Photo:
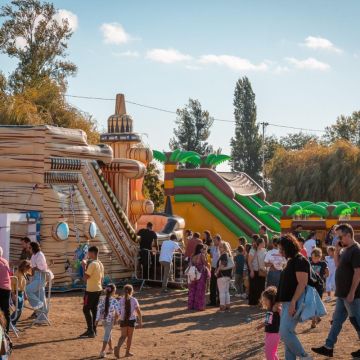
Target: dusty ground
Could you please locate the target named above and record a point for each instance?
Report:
(170, 332)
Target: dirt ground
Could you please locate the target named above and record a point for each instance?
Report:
(170, 332)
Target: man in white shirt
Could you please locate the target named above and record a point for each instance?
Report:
(168, 248)
(275, 262)
(310, 244)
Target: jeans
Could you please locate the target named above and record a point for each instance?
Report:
(108, 326)
(5, 305)
(273, 278)
(91, 301)
(239, 283)
(223, 286)
(343, 309)
(293, 347)
(166, 266)
(35, 291)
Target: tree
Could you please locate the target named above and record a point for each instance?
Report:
(154, 187)
(345, 128)
(296, 141)
(193, 129)
(246, 145)
(33, 35)
(317, 173)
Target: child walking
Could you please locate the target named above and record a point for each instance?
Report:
(19, 284)
(330, 280)
(271, 323)
(108, 311)
(129, 308)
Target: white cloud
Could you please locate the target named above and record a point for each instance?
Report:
(114, 33)
(317, 42)
(309, 63)
(72, 19)
(233, 62)
(193, 67)
(128, 53)
(167, 56)
(281, 69)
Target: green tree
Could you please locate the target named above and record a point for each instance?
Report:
(154, 187)
(345, 128)
(246, 145)
(193, 129)
(32, 34)
(296, 141)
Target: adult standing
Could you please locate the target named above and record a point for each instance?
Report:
(257, 271)
(168, 248)
(148, 240)
(215, 254)
(5, 288)
(293, 281)
(223, 273)
(35, 290)
(275, 262)
(191, 245)
(310, 243)
(347, 280)
(93, 275)
(197, 288)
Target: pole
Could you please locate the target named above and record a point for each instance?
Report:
(264, 125)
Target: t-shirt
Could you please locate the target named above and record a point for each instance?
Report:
(21, 282)
(223, 259)
(319, 268)
(349, 260)
(331, 264)
(114, 309)
(25, 254)
(215, 254)
(168, 248)
(288, 281)
(275, 258)
(239, 260)
(191, 246)
(4, 275)
(309, 246)
(134, 304)
(272, 322)
(147, 237)
(38, 260)
(95, 271)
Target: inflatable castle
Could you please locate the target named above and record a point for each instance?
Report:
(68, 195)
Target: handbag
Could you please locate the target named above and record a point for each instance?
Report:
(262, 273)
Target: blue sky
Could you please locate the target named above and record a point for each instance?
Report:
(302, 57)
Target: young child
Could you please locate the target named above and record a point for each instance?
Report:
(319, 267)
(239, 271)
(271, 323)
(108, 311)
(129, 308)
(21, 275)
(246, 271)
(330, 280)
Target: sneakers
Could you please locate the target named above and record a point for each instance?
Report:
(238, 295)
(102, 355)
(244, 296)
(307, 357)
(322, 350)
(356, 354)
(87, 334)
(328, 299)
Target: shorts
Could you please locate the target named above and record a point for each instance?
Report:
(127, 323)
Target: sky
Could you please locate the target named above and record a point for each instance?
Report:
(302, 58)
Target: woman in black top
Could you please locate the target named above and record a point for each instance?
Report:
(223, 273)
(293, 281)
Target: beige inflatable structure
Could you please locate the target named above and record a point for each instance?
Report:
(68, 195)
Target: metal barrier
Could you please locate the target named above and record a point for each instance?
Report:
(13, 326)
(148, 268)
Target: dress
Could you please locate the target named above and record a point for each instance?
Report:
(197, 288)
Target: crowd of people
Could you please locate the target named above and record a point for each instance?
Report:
(286, 276)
